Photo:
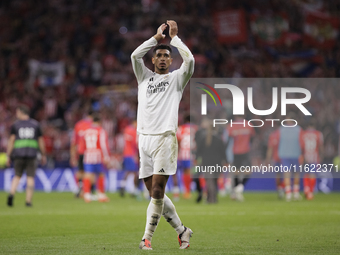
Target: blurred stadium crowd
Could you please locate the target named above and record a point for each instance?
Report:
(62, 57)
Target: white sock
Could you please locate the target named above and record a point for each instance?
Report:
(170, 215)
(153, 215)
(122, 184)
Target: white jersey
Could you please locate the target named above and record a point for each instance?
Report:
(159, 95)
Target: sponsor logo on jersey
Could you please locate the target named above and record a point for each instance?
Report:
(160, 87)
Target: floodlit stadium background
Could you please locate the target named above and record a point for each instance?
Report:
(63, 57)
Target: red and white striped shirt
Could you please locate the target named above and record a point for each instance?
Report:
(185, 136)
(78, 134)
(95, 142)
(312, 141)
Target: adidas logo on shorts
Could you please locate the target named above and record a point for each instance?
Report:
(161, 171)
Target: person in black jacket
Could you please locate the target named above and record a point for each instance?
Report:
(23, 146)
(210, 152)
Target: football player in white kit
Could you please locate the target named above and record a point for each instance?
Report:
(159, 95)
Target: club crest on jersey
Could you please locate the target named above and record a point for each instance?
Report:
(150, 81)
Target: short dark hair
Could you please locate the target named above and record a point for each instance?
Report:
(162, 47)
(311, 123)
(90, 112)
(96, 117)
(187, 118)
(24, 109)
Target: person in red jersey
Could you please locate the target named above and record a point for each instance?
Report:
(130, 156)
(185, 136)
(312, 148)
(273, 157)
(96, 152)
(77, 149)
(241, 135)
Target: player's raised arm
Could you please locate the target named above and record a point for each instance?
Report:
(187, 68)
(137, 56)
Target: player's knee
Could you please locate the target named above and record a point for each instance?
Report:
(157, 192)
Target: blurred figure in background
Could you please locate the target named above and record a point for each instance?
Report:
(96, 153)
(185, 136)
(210, 152)
(49, 137)
(77, 149)
(272, 157)
(312, 144)
(24, 143)
(130, 157)
(198, 177)
(290, 145)
(241, 135)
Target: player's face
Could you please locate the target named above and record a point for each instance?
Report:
(162, 60)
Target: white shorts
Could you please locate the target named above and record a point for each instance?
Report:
(158, 154)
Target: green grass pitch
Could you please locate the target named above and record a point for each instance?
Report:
(60, 224)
